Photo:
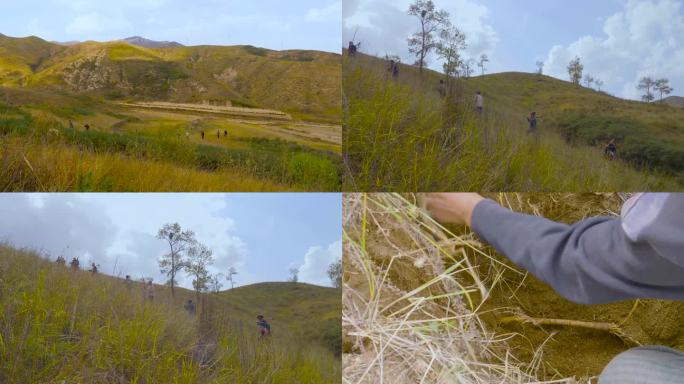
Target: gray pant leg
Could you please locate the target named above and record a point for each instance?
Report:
(645, 365)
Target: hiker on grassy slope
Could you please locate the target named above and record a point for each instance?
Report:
(393, 69)
(74, 263)
(190, 307)
(479, 103)
(353, 48)
(93, 268)
(149, 290)
(598, 260)
(264, 326)
(532, 120)
(61, 260)
(610, 151)
(441, 89)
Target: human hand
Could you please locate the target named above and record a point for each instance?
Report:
(452, 208)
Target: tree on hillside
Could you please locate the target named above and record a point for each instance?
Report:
(431, 20)
(215, 282)
(451, 42)
(199, 258)
(484, 59)
(335, 273)
(663, 86)
(575, 69)
(468, 67)
(294, 275)
(588, 80)
(540, 67)
(231, 272)
(174, 261)
(645, 85)
(599, 84)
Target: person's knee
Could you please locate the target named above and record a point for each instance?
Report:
(649, 364)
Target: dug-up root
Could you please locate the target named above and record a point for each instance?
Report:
(615, 329)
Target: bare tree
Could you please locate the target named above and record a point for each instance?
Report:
(540, 67)
(199, 258)
(575, 69)
(468, 67)
(231, 272)
(645, 85)
(451, 41)
(588, 80)
(174, 261)
(663, 86)
(431, 20)
(599, 84)
(335, 273)
(294, 275)
(215, 282)
(484, 59)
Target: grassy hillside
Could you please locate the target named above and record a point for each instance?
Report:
(58, 325)
(400, 135)
(305, 82)
(133, 148)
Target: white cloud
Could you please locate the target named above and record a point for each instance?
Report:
(383, 26)
(118, 231)
(646, 38)
(331, 13)
(316, 263)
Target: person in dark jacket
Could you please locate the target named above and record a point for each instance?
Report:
(598, 260)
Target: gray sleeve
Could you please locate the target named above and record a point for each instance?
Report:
(589, 262)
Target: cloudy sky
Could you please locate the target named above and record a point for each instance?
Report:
(262, 235)
(619, 41)
(275, 24)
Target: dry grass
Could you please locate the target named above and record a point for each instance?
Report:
(412, 300)
(423, 303)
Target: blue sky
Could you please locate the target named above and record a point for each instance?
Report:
(262, 235)
(619, 41)
(275, 24)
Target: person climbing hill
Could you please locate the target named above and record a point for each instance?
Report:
(190, 307)
(393, 69)
(74, 264)
(532, 120)
(93, 268)
(441, 89)
(610, 151)
(61, 261)
(264, 326)
(479, 103)
(353, 48)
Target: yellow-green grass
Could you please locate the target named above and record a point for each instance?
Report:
(59, 325)
(58, 167)
(254, 154)
(401, 136)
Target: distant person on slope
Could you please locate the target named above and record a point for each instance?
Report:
(610, 151)
(202, 134)
(128, 282)
(264, 326)
(353, 48)
(393, 69)
(532, 121)
(149, 290)
(441, 89)
(93, 268)
(479, 103)
(74, 264)
(190, 307)
(61, 261)
(598, 260)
